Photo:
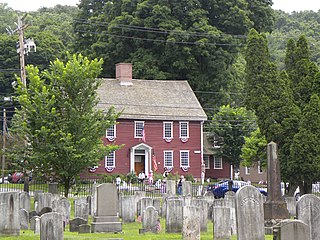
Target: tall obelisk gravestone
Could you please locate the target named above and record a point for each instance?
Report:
(275, 207)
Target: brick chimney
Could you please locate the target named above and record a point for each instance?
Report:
(124, 73)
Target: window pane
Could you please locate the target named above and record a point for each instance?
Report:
(111, 131)
(167, 130)
(184, 130)
(168, 158)
(110, 160)
(184, 158)
(139, 129)
(217, 162)
(206, 160)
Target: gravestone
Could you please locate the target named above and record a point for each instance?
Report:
(33, 222)
(53, 188)
(37, 226)
(222, 223)
(75, 223)
(24, 198)
(24, 219)
(51, 226)
(94, 199)
(44, 200)
(81, 210)
(84, 228)
(143, 203)
(275, 207)
(291, 230)
(150, 219)
(186, 188)
(191, 223)
(291, 205)
(63, 207)
(106, 218)
(203, 208)
(249, 214)
(174, 215)
(230, 202)
(171, 187)
(308, 211)
(45, 210)
(129, 208)
(210, 200)
(36, 195)
(32, 214)
(9, 212)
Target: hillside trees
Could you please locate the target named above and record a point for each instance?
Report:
(58, 122)
(189, 39)
(279, 100)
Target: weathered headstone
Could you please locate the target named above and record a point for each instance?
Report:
(106, 218)
(9, 212)
(203, 208)
(75, 223)
(308, 211)
(32, 214)
(51, 226)
(63, 207)
(174, 215)
(249, 214)
(210, 200)
(44, 200)
(129, 208)
(45, 210)
(143, 204)
(24, 201)
(150, 219)
(33, 222)
(24, 219)
(84, 228)
(275, 207)
(53, 188)
(191, 223)
(81, 210)
(186, 188)
(37, 226)
(222, 223)
(291, 230)
(171, 187)
(291, 205)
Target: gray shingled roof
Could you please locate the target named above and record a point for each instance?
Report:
(151, 99)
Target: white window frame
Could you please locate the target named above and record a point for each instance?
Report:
(247, 170)
(111, 132)
(206, 160)
(138, 131)
(181, 130)
(260, 171)
(165, 124)
(110, 157)
(182, 153)
(165, 158)
(220, 162)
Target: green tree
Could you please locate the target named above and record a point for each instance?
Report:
(58, 120)
(232, 125)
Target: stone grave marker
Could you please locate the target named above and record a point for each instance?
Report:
(222, 223)
(37, 226)
(191, 223)
(308, 211)
(24, 201)
(44, 200)
(171, 187)
(51, 226)
(174, 215)
(129, 208)
(291, 230)
(24, 219)
(186, 188)
(33, 222)
(9, 212)
(84, 228)
(106, 218)
(32, 214)
(150, 219)
(203, 208)
(45, 210)
(249, 214)
(81, 210)
(143, 204)
(75, 223)
(291, 205)
(63, 207)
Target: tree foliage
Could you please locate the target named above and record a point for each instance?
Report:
(232, 125)
(58, 121)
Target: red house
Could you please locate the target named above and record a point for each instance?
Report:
(161, 126)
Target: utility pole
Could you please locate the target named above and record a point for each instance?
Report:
(20, 28)
(4, 125)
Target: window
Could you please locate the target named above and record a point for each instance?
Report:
(167, 130)
(217, 162)
(260, 171)
(247, 170)
(184, 129)
(110, 160)
(184, 158)
(168, 159)
(206, 160)
(138, 129)
(111, 132)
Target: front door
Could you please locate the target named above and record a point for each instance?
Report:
(139, 160)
